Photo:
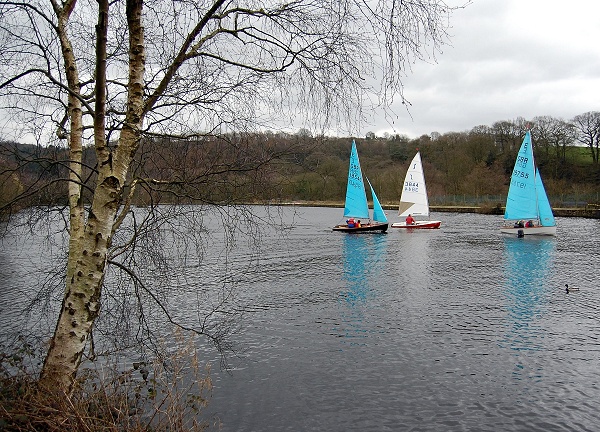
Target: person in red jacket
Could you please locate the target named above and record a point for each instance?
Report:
(410, 220)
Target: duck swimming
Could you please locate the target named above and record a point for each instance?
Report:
(569, 289)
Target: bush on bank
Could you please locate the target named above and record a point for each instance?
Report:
(167, 395)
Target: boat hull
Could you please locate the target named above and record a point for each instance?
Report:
(418, 225)
(362, 228)
(536, 230)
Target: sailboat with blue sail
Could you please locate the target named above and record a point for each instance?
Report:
(528, 211)
(356, 207)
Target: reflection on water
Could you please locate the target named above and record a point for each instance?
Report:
(355, 255)
(527, 267)
(414, 262)
(363, 263)
(363, 259)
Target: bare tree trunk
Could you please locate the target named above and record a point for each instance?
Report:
(88, 252)
(57, 359)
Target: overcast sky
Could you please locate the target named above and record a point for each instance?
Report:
(507, 59)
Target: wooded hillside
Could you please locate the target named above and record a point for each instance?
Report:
(460, 168)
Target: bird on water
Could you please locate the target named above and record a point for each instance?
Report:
(568, 289)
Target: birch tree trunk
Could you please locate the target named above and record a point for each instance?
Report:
(89, 242)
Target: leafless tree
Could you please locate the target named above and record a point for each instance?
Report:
(109, 74)
(507, 135)
(588, 128)
(553, 133)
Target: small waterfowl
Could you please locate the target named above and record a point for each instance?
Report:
(568, 289)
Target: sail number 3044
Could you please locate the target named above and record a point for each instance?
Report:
(410, 186)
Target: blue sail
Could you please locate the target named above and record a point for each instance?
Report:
(544, 209)
(521, 202)
(356, 197)
(378, 213)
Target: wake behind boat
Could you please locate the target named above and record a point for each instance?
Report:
(357, 208)
(528, 210)
(414, 201)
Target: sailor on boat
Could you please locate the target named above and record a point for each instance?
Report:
(519, 224)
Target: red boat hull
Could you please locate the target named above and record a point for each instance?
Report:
(418, 225)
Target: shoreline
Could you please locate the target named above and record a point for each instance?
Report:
(589, 212)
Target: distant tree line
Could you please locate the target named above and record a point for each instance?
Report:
(460, 167)
(471, 167)
(476, 165)
(229, 169)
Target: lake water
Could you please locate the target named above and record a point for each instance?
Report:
(456, 329)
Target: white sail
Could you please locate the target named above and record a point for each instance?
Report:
(414, 193)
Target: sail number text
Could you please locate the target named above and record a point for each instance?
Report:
(521, 162)
(520, 174)
(411, 186)
(354, 174)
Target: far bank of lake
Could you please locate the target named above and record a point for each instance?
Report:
(589, 211)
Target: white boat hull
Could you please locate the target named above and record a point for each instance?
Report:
(418, 225)
(536, 230)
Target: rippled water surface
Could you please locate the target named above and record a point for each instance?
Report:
(456, 329)
(453, 329)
